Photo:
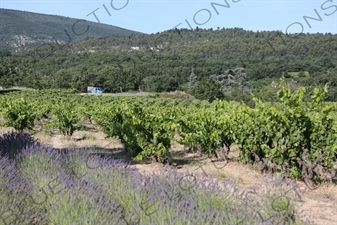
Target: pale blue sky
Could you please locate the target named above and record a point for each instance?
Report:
(151, 16)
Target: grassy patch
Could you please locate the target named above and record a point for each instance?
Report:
(295, 74)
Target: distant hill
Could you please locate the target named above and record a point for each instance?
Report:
(200, 62)
(19, 28)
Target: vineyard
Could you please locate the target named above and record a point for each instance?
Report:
(292, 137)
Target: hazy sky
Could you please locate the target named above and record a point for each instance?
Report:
(151, 16)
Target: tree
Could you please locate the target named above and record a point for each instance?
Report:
(62, 79)
(192, 80)
(7, 73)
(301, 74)
(208, 89)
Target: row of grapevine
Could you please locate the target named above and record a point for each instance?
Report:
(142, 131)
(292, 137)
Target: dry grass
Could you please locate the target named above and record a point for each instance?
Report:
(17, 88)
(6, 129)
(175, 94)
(327, 191)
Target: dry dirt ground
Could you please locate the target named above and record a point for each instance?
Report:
(320, 204)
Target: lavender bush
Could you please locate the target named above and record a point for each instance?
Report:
(14, 195)
(13, 142)
(74, 187)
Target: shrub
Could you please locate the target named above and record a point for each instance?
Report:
(12, 143)
(19, 113)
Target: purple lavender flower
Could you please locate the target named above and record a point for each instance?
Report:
(13, 142)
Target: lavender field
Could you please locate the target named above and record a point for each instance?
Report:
(42, 185)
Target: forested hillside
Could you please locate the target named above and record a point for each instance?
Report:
(223, 63)
(20, 28)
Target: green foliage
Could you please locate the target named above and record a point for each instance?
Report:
(286, 134)
(143, 133)
(164, 60)
(19, 113)
(209, 130)
(207, 89)
(66, 116)
(291, 136)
